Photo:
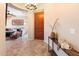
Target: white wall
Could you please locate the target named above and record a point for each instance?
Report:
(67, 26)
(2, 29)
(68, 23)
(49, 18)
(30, 20)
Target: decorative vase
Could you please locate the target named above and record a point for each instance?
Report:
(53, 35)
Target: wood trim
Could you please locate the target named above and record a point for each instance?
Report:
(6, 14)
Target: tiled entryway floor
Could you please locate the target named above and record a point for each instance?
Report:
(26, 48)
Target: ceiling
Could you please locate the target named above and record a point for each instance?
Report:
(22, 5)
(13, 10)
(19, 9)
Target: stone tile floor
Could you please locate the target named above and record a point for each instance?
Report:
(26, 48)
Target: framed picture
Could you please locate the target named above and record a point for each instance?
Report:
(17, 22)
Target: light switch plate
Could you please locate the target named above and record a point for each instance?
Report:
(72, 30)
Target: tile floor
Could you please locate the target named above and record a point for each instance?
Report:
(26, 48)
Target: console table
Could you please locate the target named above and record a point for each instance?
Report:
(58, 50)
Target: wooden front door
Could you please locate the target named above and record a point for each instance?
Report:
(39, 25)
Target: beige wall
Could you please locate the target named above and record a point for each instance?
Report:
(49, 18)
(67, 26)
(30, 21)
(68, 23)
(2, 29)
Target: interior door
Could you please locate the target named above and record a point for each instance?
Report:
(39, 25)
